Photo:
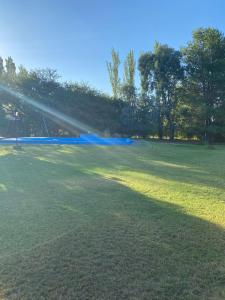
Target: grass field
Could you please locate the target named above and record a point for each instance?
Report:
(138, 222)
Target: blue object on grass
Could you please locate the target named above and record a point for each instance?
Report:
(84, 139)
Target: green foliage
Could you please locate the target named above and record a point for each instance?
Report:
(128, 90)
(188, 86)
(77, 101)
(1, 67)
(145, 66)
(129, 69)
(113, 70)
(10, 68)
(181, 94)
(161, 73)
(128, 93)
(204, 58)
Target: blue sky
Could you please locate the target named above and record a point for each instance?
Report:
(76, 37)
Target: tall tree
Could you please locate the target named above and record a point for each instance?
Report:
(10, 68)
(161, 72)
(128, 87)
(205, 68)
(129, 69)
(128, 93)
(1, 66)
(145, 67)
(167, 78)
(147, 111)
(113, 70)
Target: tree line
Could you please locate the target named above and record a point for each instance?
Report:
(181, 93)
(76, 100)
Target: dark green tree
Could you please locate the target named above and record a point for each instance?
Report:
(128, 94)
(147, 119)
(161, 74)
(168, 74)
(205, 70)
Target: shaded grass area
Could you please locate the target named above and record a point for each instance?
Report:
(139, 222)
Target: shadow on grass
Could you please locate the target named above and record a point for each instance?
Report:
(88, 237)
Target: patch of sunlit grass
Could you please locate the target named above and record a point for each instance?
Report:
(3, 188)
(5, 151)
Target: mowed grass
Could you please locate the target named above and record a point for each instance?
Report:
(139, 222)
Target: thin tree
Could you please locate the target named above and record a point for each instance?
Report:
(128, 94)
(10, 68)
(129, 69)
(113, 70)
(1, 66)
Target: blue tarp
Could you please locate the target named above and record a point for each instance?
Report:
(84, 139)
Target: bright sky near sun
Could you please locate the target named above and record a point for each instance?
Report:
(76, 37)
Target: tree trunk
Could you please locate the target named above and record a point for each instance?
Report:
(172, 131)
(160, 128)
(171, 128)
(207, 135)
(160, 123)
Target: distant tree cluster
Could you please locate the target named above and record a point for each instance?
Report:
(78, 101)
(182, 93)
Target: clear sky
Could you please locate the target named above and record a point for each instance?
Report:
(76, 36)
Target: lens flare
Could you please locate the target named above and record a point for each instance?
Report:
(52, 113)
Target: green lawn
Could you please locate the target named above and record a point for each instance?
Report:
(137, 222)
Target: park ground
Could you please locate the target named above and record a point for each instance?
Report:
(145, 221)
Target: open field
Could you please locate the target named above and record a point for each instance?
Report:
(137, 222)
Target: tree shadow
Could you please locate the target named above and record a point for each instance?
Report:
(83, 236)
